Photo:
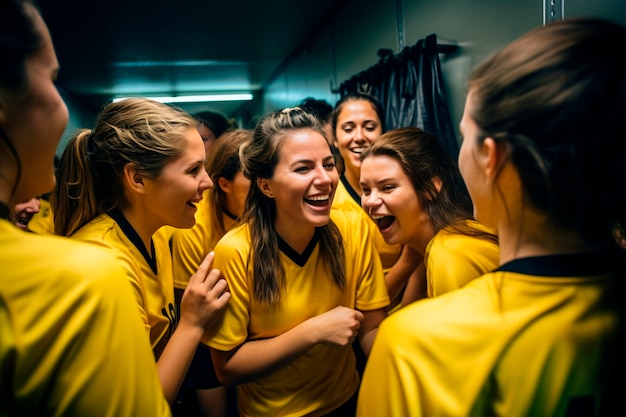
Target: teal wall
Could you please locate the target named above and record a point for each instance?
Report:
(349, 41)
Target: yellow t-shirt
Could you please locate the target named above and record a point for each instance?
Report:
(324, 377)
(71, 340)
(453, 259)
(513, 342)
(149, 274)
(43, 221)
(191, 246)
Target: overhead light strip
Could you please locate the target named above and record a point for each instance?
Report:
(197, 98)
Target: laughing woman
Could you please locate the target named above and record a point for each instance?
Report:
(141, 168)
(304, 280)
(415, 193)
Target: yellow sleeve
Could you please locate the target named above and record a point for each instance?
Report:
(453, 260)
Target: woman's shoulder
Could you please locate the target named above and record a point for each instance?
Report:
(236, 238)
(458, 237)
(350, 221)
(58, 259)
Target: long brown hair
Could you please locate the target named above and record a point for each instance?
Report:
(259, 158)
(560, 110)
(423, 159)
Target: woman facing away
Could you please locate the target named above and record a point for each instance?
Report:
(304, 279)
(542, 157)
(218, 212)
(414, 192)
(71, 339)
(140, 168)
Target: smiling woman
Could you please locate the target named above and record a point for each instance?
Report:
(414, 192)
(140, 168)
(303, 277)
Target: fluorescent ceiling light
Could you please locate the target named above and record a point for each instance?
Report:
(198, 98)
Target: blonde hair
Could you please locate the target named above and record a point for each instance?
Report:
(136, 131)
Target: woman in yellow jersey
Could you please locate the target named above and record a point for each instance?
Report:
(218, 212)
(542, 156)
(70, 336)
(414, 192)
(357, 121)
(140, 168)
(304, 279)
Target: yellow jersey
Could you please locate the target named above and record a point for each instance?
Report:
(325, 376)
(71, 339)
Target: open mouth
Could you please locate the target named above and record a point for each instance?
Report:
(318, 200)
(358, 150)
(383, 222)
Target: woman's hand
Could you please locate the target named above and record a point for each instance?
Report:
(205, 296)
(339, 326)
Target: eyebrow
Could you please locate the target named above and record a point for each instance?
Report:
(310, 161)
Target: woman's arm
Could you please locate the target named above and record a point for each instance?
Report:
(399, 274)
(205, 297)
(254, 359)
(369, 328)
(416, 288)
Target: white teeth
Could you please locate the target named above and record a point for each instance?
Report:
(377, 216)
(318, 197)
(357, 150)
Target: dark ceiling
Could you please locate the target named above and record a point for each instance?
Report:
(159, 47)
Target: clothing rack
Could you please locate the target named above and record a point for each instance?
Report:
(444, 46)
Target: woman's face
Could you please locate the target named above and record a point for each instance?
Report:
(391, 201)
(171, 198)
(357, 127)
(473, 175)
(25, 211)
(35, 120)
(304, 181)
(235, 191)
(208, 138)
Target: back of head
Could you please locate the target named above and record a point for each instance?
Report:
(19, 39)
(427, 164)
(374, 101)
(223, 161)
(557, 96)
(214, 121)
(136, 131)
(320, 108)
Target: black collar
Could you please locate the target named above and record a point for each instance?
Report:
(133, 236)
(298, 259)
(566, 265)
(355, 196)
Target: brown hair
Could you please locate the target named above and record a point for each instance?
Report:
(259, 158)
